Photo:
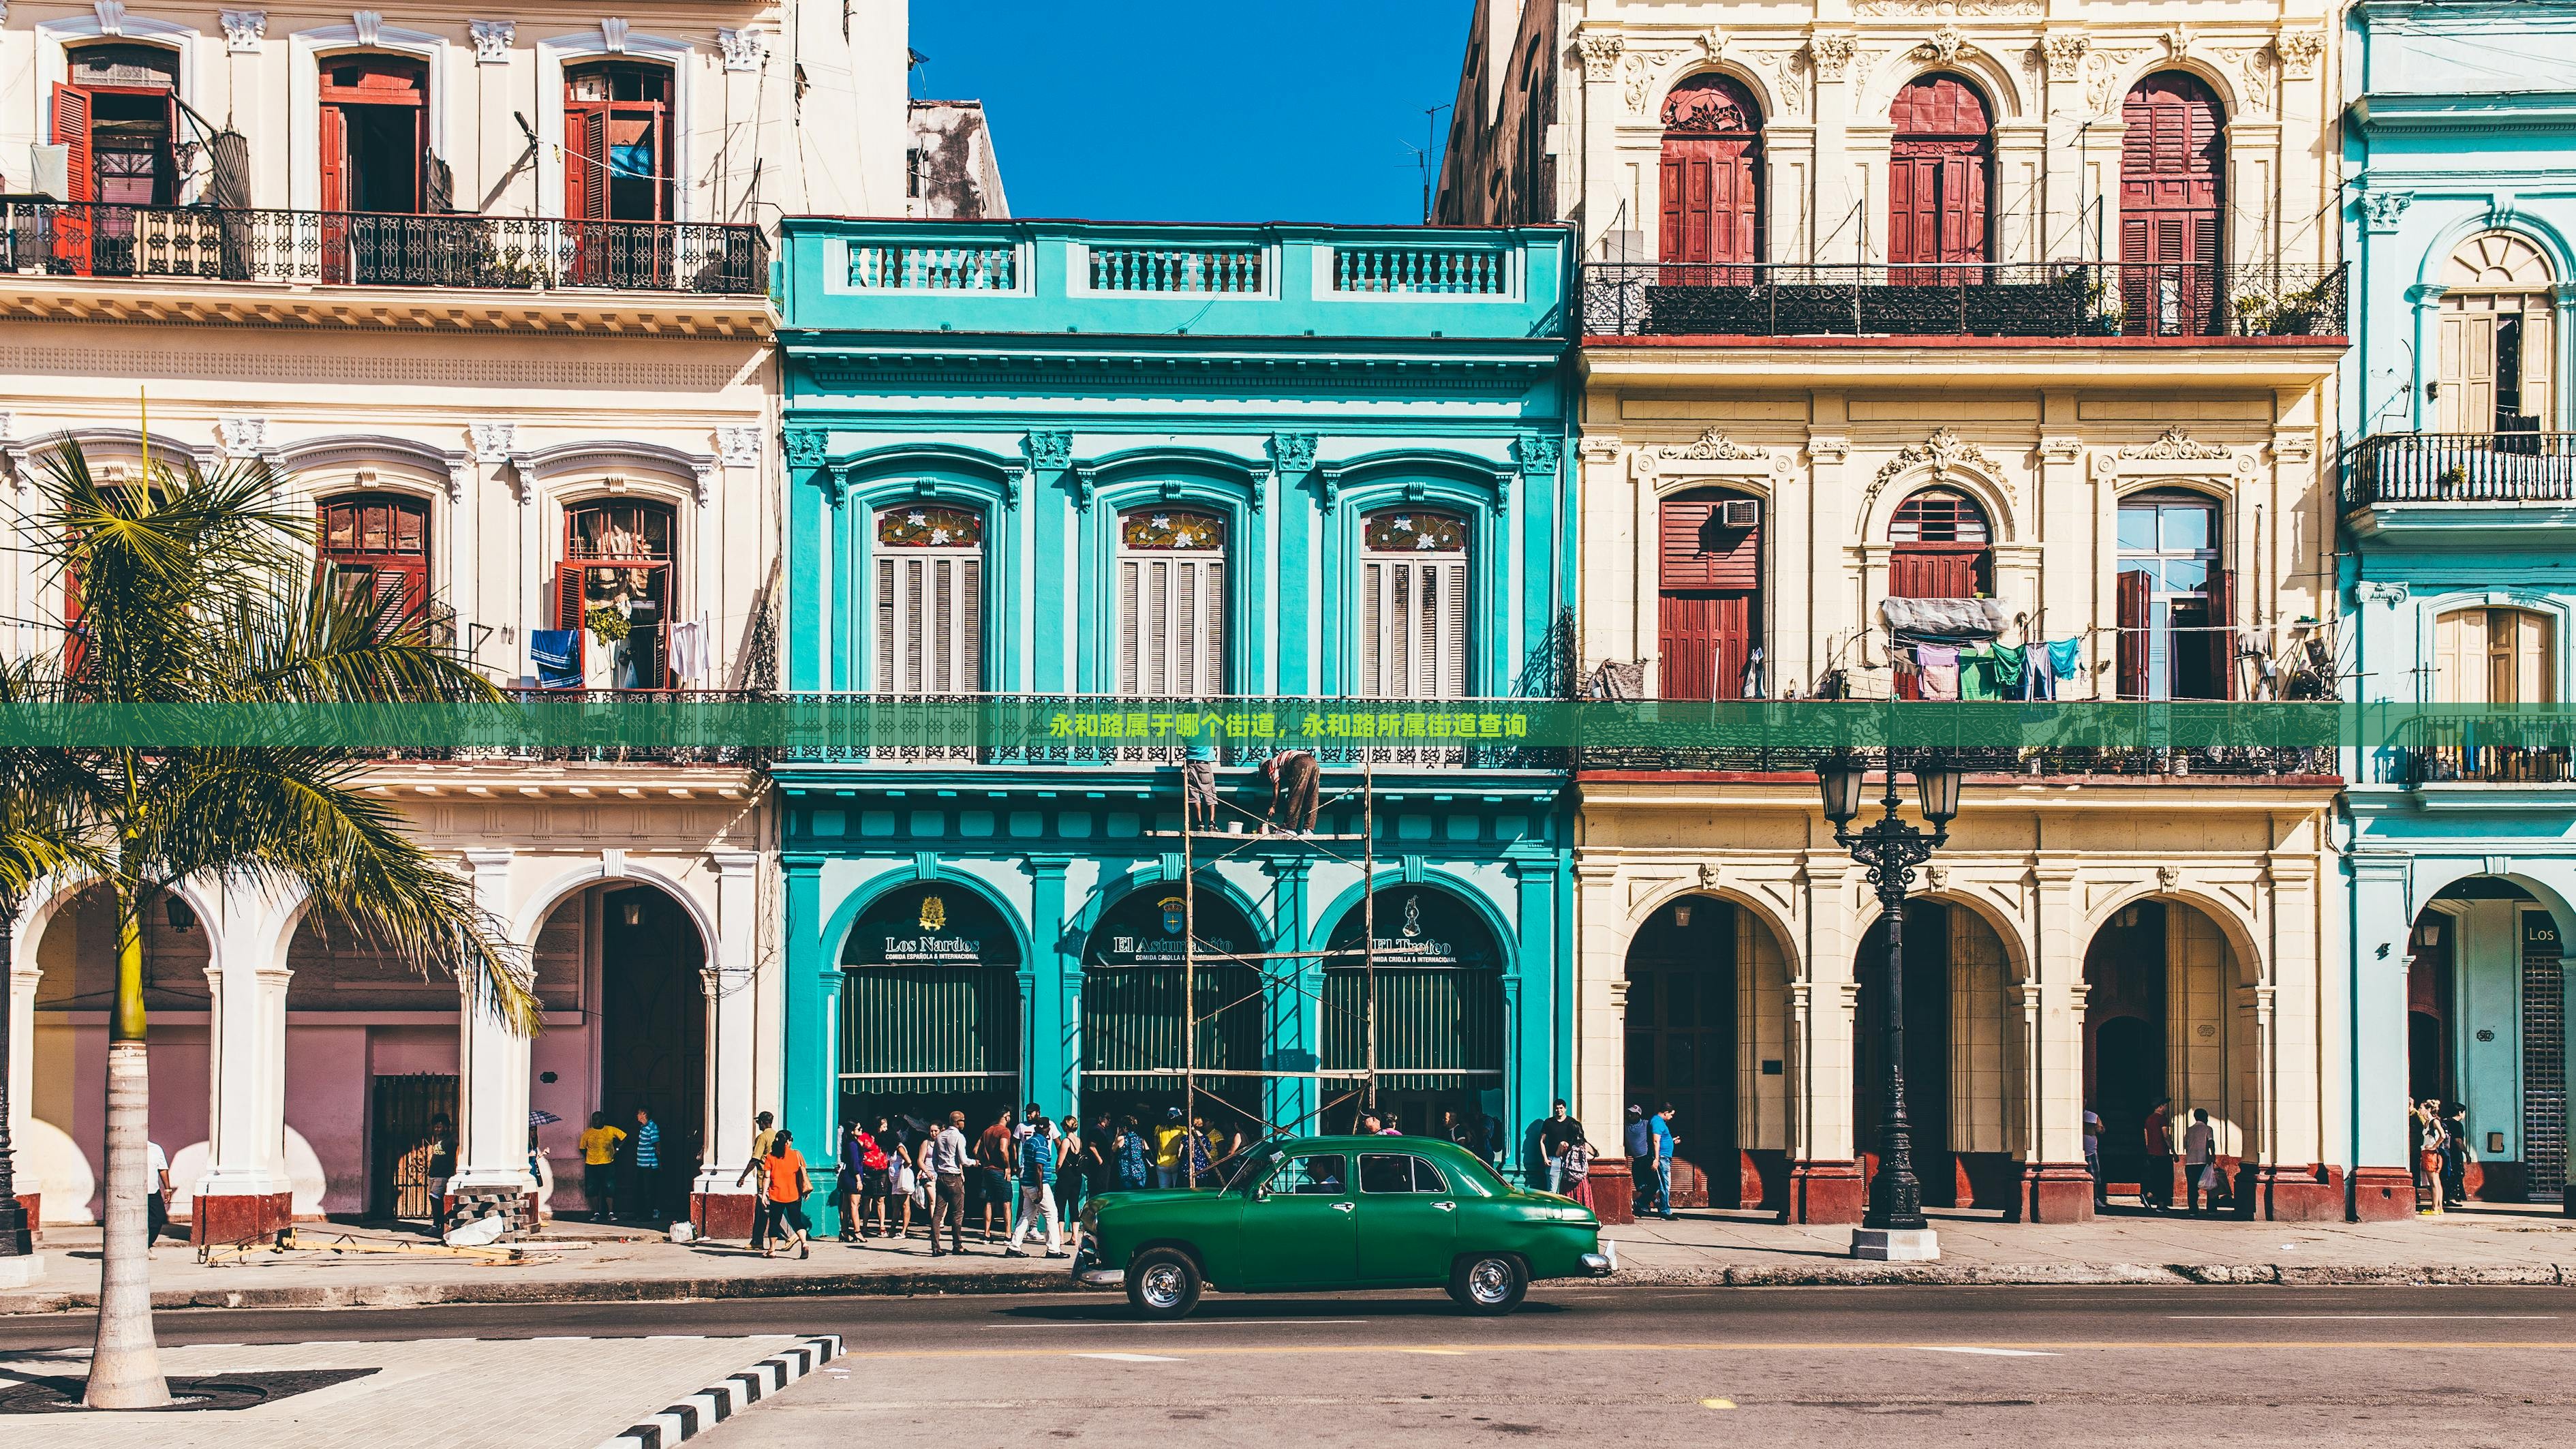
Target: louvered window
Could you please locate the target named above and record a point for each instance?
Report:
(378, 546)
(1171, 604)
(930, 600)
(1413, 605)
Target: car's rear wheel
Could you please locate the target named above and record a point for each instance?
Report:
(1490, 1283)
(1163, 1283)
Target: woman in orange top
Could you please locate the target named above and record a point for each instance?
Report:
(783, 1189)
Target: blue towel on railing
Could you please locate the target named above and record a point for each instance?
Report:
(557, 655)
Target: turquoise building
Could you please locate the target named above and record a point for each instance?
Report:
(2459, 436)
(1105, 465)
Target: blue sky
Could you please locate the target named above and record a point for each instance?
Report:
(1219, 110)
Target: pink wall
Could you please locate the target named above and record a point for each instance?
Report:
(327, 1101)
(180, 1100)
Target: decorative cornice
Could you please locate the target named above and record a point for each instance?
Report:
(1941, 452)
(244, 30)
(2174, 445)
(492, 40)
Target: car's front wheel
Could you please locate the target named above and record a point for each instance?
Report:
(1163, 1283)
(1491, 1283)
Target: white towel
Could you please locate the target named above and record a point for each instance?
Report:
(688, 652)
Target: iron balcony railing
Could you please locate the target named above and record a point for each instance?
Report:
(2213, 761)
(1096, 729)
(2515, 467)
(2043, 299)
(616, 733)
(2505, 748)
(380, 249)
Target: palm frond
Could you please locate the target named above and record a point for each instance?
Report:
(336, 644)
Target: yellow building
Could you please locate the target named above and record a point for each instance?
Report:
(1915, 335)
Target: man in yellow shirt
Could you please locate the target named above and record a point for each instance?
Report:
(1167, 1150)
(599, 1144)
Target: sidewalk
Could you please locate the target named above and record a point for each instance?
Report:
(575, 1262)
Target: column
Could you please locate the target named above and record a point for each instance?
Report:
(810, 1074)
(21, 1062)
(1529, 1005)
(2380, 1180)
(1600, 1024)
(243, 1195)
(1294, 1006)
(1825, 1183)
(1055, 994)
(492, 1070)
(2057, 1182)
(718, 1207)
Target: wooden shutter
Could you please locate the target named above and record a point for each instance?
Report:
(1963, 210)
(1933, 573)
(2538, 348)
(1704, 636)
(2532, 653)
(1913, 210)
(1698, 552)
(73, 226)
(568, 597)
(2132, 656)
(2222, 633)
(585, 170)
(1413, 636)
(2459, 647)
(335, 159)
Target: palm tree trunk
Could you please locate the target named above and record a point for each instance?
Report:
(125, 1367)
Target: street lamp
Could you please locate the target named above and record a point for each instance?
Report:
(1893, 1227)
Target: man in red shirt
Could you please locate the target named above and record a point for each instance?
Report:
(2155, 1186)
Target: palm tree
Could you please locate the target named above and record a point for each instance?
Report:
(199, 586)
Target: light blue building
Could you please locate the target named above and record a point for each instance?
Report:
(2459, 572)
(1101, 465)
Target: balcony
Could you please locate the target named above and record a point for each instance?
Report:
(616, 730)
(2462, 468)
(2230, 763)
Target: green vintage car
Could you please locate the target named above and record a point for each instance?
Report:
(1337, 1213)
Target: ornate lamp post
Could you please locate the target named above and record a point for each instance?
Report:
(1892, 1227)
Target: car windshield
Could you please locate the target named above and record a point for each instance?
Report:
(1252, 1168)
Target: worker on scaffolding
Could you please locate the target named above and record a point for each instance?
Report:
(1292, 790)
(1198, 781)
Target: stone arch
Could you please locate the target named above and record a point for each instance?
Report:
(2461, 254)
(1705, 1019)
(2116, 81)
(1765, 95)
(1986, 488)
(2235, 922)
(2000, 85)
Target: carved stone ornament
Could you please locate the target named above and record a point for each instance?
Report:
(111, 16)
(242, 437)
(612, 35)
(1707, 876)
(2373, 591)
(2060, 449)
(1788, 78)
(2299, 51)
(2174, 445)
(1936, 877)
(1292, 452)
(2383, 210)
(2064, 53)
(492, 40)
(2256, 78)
(244, 30)
(1943, 47)
(1050, 449)
(492, 442)
(739, 445)
(1712, 445)
(1945, 9)
(460, 474)
(1941, 452)
(369, 24)
(1825, 448)
(805, 447)
(2168, 877)
(1538, 453)
(2103, 68)
(2294, 447)
(744, 49)
(1600, 50)
(1832, 55)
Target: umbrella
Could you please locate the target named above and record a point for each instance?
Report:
(537, 1117)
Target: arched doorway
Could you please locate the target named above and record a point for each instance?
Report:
(1939, 182)
(2487, 1033)
(1964, 1059)
(2173, 164)
(1707, 987)
(1711, 183)
(77, 954)
(930, 1008)
(1710, 602)
(375, 156)
(651, 970)
(1437, 1017)
(1140, 1001)
(2165, 1022)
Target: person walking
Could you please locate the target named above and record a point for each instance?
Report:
(922, 1201)
(2428, 1154)
(784, 1186)
(849, 1177)
(1072, 1176)
(599, 1144)
(2093, 1156)
(442, 1166)
(1135, 1165)
(2155, 1190)
(156, 1205)
(1576, 1166)
(1037, 1155)
(644, 1181)
(1556, 1136)
(1661, 1126)
(1167, 1149)
(1639, 1144)
(993, 1152)
(2455, 1154)
(947, 1159)
(762, 1135)
(2199, 1162)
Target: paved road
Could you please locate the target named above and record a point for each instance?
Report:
(2114, 1366)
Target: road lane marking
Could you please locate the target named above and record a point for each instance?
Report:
(1129, 1357)
(1441, 1352)
(1991, 1352)
(1194, 1323)
(2363, 1317)
(1717, 1403)
(2196, 1345)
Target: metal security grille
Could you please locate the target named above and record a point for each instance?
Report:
(1437, 1029)
(930, 1028)
(1132, 1016)
(2544, 1072)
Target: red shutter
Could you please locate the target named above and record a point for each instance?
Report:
(2132, 655)
(335, 159)
(585, 168)
(1963, 210)
(1942, 573)
(2222, 635)
(2172, 175)
(1697, 553)
(1704, 639)
(1911, 193)
(73, 226)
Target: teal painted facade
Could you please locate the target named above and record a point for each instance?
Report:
(2459, 568)
(1048, 380)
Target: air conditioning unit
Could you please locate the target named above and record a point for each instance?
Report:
(1740, 513)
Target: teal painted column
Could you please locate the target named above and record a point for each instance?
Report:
(806, 512)
(810, 1075)
(1049, 453)
(1529, 1003)
(1293, 1007)
(2382, 1136)
(1053, 1001)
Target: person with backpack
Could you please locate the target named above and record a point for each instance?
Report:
(1135, 1158)
(875, 1160)
(1035, 1163)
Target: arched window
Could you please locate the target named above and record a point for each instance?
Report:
(617, 141)
(2493, 373)
(615, 592)
(1434, 1026)
(930, 1007)
(2173, 162)
(378, 546)
(375, 133)
(1171, 603)
(930, 599)
(1711, 596)
(1711, 185)
(1943, 547)
(117, 120)
(1413, 605)
(2493, 656)
(2177, 605)
(1939, 180)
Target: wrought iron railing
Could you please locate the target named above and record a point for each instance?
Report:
(2505, 748)
(2215, 761)
(1080, 729)
(617, 735)
(2518, 467)
(2042, 299)
(380, 249)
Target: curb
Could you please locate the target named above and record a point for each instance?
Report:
(716, 1403)
(1828, 1273)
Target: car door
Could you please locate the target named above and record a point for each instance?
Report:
(1300, 1226)
(1408, 1220)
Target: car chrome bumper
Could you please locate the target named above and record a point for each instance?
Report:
(1600, 1265)
(1088, 1272)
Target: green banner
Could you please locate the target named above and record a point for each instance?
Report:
(1066, 727)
